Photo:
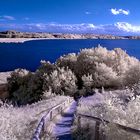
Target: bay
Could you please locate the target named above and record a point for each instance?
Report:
(28, 54)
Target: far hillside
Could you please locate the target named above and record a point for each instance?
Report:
(17, 34)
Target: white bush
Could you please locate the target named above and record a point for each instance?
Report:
(69, 61)
(132, 75)
(21, 72)
(112, 106)
(87, 81)
(20, 123)
(107, 67)
(61, 81)
(104, 76)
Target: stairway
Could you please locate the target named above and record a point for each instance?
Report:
(62, 129)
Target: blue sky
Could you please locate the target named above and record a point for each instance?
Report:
(120, 17)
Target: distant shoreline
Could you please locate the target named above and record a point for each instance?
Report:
(21, 37)
(20, 40)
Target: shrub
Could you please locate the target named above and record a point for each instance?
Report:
(132, 76)
(90, 68)
(88, 82)
(111, 107)
(19, 123)
(24, 88)
(61, 81)
(68, 61)
(108, 68)
(46, 67)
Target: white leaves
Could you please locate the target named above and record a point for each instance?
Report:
(87, 80)
(19, 123)
(21, 72)
(113, 108)
(62, 80)
(107, 67)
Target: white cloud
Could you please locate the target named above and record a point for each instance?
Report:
(6, 17)
(119, 28)
(127, 27)
(51, 27)
(119, 11)
(87, 13)
(65, 27)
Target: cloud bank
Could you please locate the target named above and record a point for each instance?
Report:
(118, 28)
(127, 27)
(119, 11)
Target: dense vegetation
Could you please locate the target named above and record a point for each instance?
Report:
(76, 74)
(89, 69)
(19, 123)
(114, 107)
(25, 87)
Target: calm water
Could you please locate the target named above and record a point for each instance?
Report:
(28, 55)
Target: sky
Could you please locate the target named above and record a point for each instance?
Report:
(118, 17)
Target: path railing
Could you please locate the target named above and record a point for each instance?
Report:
(99, 121)
(58, 109)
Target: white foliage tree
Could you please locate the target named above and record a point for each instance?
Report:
(132, 75)
(106, 66)
(69, 61)
(88, 82)
(104, 76)
(62, 81)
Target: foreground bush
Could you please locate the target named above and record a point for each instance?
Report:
(110, 106)
(19, 123)
(25, 87)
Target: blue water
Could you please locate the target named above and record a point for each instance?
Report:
(28, 55)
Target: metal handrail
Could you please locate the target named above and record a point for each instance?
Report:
(48, 117)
